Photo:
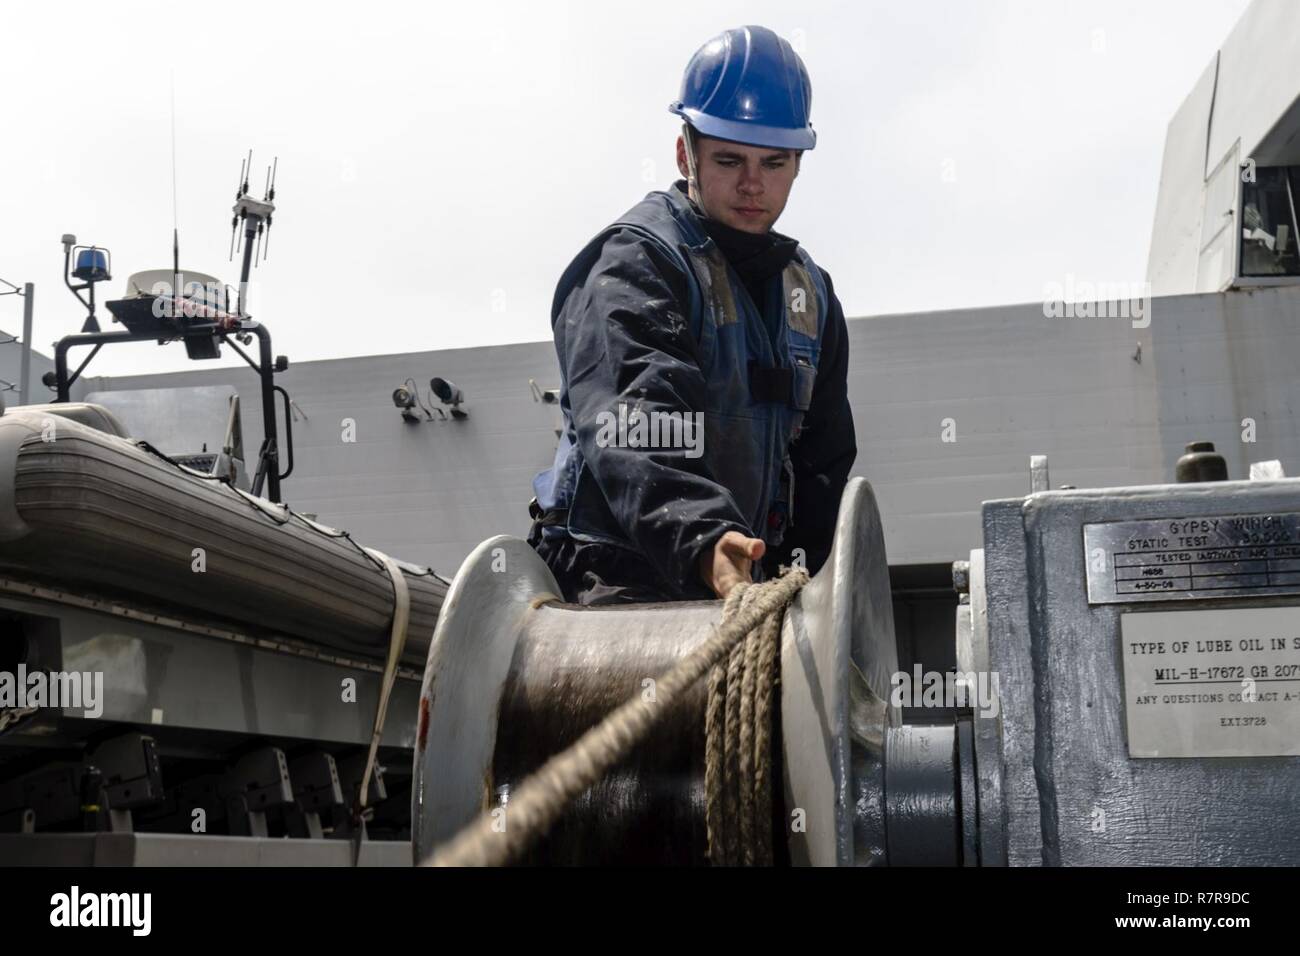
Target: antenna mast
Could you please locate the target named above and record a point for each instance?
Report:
(256, 217)
(176, 232)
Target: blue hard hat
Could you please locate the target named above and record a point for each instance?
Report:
(748, 85)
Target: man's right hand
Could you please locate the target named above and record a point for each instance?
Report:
(730, 561)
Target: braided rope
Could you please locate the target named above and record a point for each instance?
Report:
(764, 707)
(738, 744)
(538, 802)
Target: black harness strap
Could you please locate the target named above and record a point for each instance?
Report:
(770, 384)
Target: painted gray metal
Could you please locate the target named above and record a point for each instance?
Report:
(921, 796)
(1259, 76)
(1176, 231)
(157, 676)
(25, 362)
(839, 655)
(967, 792)
(986, 723)
(183, 849)
(499, 585)
(1243, 106)
(1072, 794)
(1010, 753)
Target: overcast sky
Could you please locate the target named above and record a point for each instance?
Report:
(440, 164)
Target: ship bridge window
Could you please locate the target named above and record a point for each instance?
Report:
(1268, 223)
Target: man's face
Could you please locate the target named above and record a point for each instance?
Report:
(745, 187)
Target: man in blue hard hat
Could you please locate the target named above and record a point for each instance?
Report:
(703, 359)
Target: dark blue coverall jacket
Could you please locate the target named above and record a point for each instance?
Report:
(654, 326)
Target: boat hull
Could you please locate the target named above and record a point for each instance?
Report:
(83, 508)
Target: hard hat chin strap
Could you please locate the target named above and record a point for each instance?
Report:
(692, 169)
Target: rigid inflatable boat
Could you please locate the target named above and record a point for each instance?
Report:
(86, 509)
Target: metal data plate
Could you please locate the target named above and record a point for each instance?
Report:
(1212, 683)
(1210, 556)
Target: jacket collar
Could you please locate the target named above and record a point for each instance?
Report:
(754, 257)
